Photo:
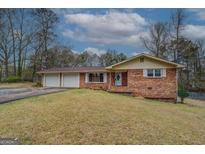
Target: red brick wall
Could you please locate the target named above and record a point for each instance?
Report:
(159, 88)
(83, 84)
(112, 79)
(124, 78)
(164, 87)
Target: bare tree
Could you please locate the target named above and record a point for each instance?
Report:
(157, 41)
(5, 53)
(35, 55)
(10, 14)
(112, 57)
(200, 57)
(16, 37)
(45, 20)
(23, 37)
(177, 24)
(198, 66)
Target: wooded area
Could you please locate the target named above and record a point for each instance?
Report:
(28, 43)
(167, 41)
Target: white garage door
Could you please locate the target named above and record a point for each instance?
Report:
(71, 80)
(52, 80)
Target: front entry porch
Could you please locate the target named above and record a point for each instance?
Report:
(119, 82)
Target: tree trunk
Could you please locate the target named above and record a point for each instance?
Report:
(182, 100)
(19, 65)
(187, 75)
(6, 68)
(10, 14)
(34, 71)
(13, 46)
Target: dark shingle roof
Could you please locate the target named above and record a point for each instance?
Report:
(74, 69)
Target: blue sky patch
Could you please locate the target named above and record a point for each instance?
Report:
(119, 29)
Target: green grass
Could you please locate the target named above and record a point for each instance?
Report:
(83, 116)
(16, 85)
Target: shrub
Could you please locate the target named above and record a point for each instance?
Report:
(38, 84)
(182, 93)
(27, 75)
(11, 79)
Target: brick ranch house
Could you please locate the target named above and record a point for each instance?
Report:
(141, 75)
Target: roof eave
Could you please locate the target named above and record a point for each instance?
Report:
(42, 72)
(180, 66)
(149, 56)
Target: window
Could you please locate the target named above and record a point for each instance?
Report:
(157, 72)
(153, 72)
(150, 72)
(95, 77)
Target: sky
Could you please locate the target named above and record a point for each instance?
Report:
(98, 30)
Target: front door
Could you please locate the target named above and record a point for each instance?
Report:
(118, 79)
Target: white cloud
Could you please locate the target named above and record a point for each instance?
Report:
(111, 28)
(194, 32)
(95, 51)
(74, 51)
(200, 13)
(62, 11)
(91, 50)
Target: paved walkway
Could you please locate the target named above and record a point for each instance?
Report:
(28, 93)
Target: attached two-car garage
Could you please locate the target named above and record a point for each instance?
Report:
(70, 80)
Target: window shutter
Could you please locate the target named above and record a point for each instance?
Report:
(105, 77)
(144, 72)
(164, 72)
(86, 77)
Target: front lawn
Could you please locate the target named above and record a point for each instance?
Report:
(16, 85)
(82, 116)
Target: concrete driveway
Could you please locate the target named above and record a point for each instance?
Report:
(12, 94)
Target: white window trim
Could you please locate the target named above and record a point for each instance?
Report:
(104, 77)
(86, 77)
(163, 72)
